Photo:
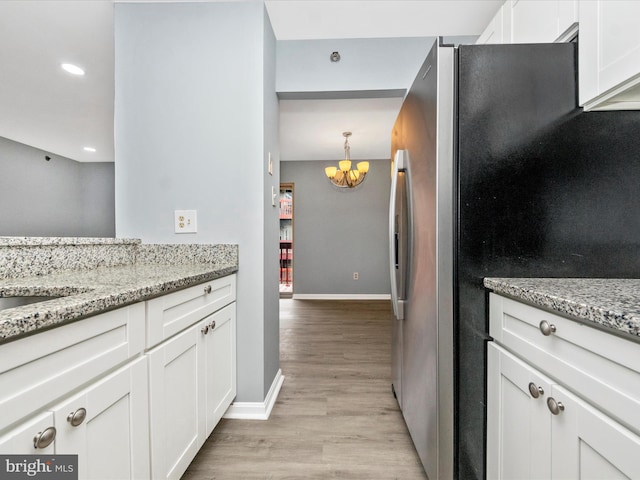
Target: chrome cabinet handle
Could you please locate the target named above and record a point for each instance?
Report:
(207, 289)
(554, 407)
(547, 328)
(535, 390)
(43, 439)
(77, 417)
(205, 329)
(212, 325)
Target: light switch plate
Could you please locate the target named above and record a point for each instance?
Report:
(186, 221)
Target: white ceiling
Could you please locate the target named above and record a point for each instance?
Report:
(315, 19)
(320, 123)
(42, 106)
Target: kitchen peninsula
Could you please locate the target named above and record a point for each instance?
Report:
(136, 346)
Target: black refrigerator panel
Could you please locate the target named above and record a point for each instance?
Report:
(544, 190)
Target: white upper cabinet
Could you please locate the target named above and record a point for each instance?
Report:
(494, 33)
(609, 55)
(532, 21)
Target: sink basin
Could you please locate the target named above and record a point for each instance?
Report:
(11, 302)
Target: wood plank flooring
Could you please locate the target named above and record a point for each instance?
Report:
(335, 416)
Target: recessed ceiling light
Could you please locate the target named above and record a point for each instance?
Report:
(72, 69)
(89, 149)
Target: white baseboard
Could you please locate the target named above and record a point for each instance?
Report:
(341, 296)
(257, 410)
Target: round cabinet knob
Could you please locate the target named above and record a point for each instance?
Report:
(554, 407)
(77, 417)
(43, 439)
(535, 390)
(212, 325)
(547, 328)
(207, 289)
(205, 329)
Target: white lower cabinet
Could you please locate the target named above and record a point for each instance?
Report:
(220, 365)
(192, 381)
(175, 392)
(106, 425)
(538, 429)
(22, 438)
(91, 388)
(518, 423)
(587, 444)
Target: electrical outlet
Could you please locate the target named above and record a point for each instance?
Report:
(186, 221)
(355, 275)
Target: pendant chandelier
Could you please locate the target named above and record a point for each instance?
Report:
(343, 176)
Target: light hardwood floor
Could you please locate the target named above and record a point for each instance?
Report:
(335, 416)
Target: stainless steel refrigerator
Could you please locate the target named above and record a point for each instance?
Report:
(497, 173)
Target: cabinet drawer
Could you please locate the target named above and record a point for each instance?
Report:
(601, 367)
(37, 370)
(172, 313)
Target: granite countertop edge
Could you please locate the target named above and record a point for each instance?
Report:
(609, 303)
(87, 293)
(64, 241)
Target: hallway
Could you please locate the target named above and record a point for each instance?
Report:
(335, 416)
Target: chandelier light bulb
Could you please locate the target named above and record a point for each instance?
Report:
(343, 176)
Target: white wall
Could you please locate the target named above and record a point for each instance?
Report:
(190, 134)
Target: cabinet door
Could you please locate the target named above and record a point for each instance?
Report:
(586, 444)
(534, 21)
(542, 21)
(609, 54)
(176, 397)
(21, 440)
(494, 33)
(518, 421)
(220, 366)
(110, 430)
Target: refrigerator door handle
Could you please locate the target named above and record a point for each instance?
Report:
(397, 234)
(396, 240)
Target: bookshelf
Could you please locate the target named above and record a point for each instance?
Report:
(286, 239)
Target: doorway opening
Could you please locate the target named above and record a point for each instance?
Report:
(286, 240)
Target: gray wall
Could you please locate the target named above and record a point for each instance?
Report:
(337, 233)
(365, 64)
(195, 112)
(60, 197)
(271, 213)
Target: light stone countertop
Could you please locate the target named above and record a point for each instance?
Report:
(62, 241)
(94, 275)
(89, 292)
(608, 303)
